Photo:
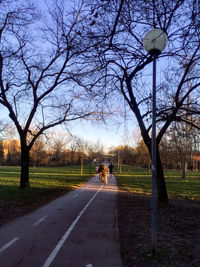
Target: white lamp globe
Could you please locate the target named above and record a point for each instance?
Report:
(155, 41)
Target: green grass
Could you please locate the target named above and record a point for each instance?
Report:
(139, 181)
(54, 181)
(44, 182)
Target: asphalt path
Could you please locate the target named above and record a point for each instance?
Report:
(76, 230)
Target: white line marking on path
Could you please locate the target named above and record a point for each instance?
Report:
(75, 195)
(40, 220)
(67, 233)
(9, 244)
(88, 265)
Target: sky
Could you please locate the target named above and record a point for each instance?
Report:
(108, 135)
(111, 135)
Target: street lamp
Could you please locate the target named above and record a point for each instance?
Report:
(119, 166)
(82, 163)
(154, 43)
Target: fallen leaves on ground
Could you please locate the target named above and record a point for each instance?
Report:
(178, 232)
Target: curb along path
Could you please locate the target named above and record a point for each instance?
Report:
(78, 229)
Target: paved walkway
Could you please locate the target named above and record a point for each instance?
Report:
(76, 230)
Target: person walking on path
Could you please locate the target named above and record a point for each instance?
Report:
(104, 174)
(111, 167)
(97, 168)
(100, 172)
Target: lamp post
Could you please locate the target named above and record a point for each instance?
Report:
(82, 163)
(119, 166)
(154, 43)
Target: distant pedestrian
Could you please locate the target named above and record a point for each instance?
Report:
(97, 168)
(100, 172)
(104, 174)
(111, 167)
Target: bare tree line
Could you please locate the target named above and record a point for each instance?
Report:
(58, 150)
(61, 150)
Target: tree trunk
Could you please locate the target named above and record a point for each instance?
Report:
(161, 185)
(160, 179)
(24, 179)
(183, 167)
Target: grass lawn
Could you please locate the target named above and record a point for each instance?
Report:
(178, 223)
(140, 181)
(45, 184)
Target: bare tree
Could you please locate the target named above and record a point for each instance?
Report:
(1, 152)
(117, 33)
(59, 146)
(40, 69)
(12, 152)
(38, 153)
(180, 145)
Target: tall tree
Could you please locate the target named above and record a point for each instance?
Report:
(1, 152)
(40, 62)
(117, 33)
(60, 142)
(38, 153)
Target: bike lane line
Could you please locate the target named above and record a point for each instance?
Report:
(55, 251)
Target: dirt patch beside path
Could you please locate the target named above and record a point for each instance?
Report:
(11, 210)
(178, 232)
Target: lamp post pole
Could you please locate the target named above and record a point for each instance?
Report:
(153, 157)
(82, 163)
(119, 166)
(154, 43)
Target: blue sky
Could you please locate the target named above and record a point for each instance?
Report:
(108, 135)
